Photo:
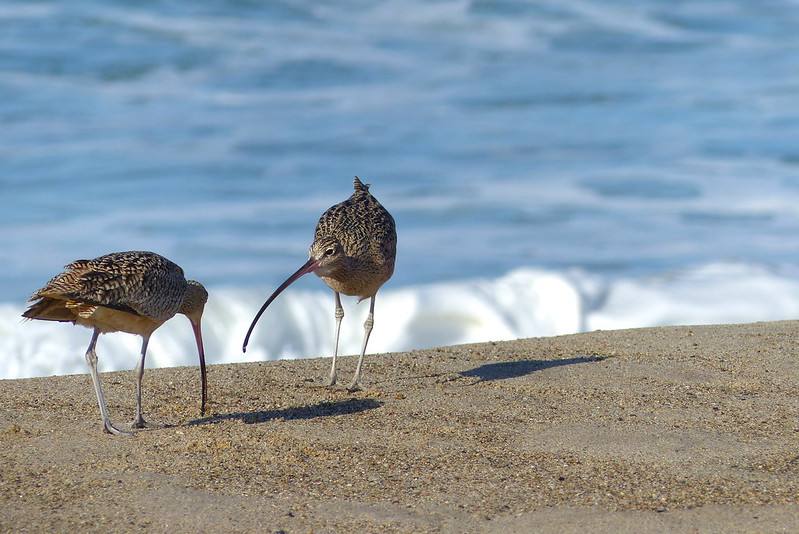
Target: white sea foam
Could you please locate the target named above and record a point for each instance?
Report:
(527, 302)
(717, 293)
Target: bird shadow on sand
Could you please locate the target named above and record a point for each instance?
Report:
(518, 368)
(322, 409)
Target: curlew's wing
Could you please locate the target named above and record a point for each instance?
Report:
(142, 283)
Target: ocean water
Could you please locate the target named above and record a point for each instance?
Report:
(553, 166)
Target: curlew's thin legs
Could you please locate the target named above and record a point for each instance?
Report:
(339, 316)
(367, 329)
(91, 360)
(138, 421)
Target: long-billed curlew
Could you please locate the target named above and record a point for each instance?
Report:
(353, 252)
(134, 292)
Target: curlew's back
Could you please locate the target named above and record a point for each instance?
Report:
(368, 237)
(141, 283)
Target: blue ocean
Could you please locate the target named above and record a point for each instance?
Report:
(553, 166)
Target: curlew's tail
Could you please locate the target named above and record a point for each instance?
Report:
(360, 186)
(50, 309)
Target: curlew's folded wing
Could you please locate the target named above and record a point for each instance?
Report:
(143, 283)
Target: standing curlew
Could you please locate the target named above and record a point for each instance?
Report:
(353, 252)
(134, 292)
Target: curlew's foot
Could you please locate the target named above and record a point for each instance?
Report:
(331, 381)
(355, 386)
(139, 422)
(111, 429)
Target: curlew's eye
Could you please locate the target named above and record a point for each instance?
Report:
(330, 251)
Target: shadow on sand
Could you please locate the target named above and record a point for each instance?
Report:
(515, 369)
(323, 409)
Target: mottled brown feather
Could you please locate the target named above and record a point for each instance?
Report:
(367, 234)
(138, 283)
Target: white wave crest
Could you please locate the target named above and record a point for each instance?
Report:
(525, 303)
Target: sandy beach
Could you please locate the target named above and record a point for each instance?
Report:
(689, 429)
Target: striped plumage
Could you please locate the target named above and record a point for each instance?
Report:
(141, 283)
(353, 252)
(366, 234)
(134, 292)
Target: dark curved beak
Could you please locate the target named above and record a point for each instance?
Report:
(309, 267)
(198, 336)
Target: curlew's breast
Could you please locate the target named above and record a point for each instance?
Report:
(362, 281)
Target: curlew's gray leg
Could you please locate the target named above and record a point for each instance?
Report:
(91, 360)
(138, 421)
(331, 381)
(367, 329)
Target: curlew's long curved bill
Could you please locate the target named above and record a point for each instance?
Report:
(198, 336)
(309, 266)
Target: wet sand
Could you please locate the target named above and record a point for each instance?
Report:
(650, 430)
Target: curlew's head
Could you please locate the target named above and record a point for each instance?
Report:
(326, 256)
(193, 306)
(194, 301)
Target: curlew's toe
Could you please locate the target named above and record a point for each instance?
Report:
(111, 429)
(139, 422)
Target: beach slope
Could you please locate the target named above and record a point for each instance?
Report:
(648, 430)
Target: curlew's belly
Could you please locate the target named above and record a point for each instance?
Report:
(111, 320)
(364, 288)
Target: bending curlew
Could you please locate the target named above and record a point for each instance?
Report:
(353, 252)
(134, 292)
